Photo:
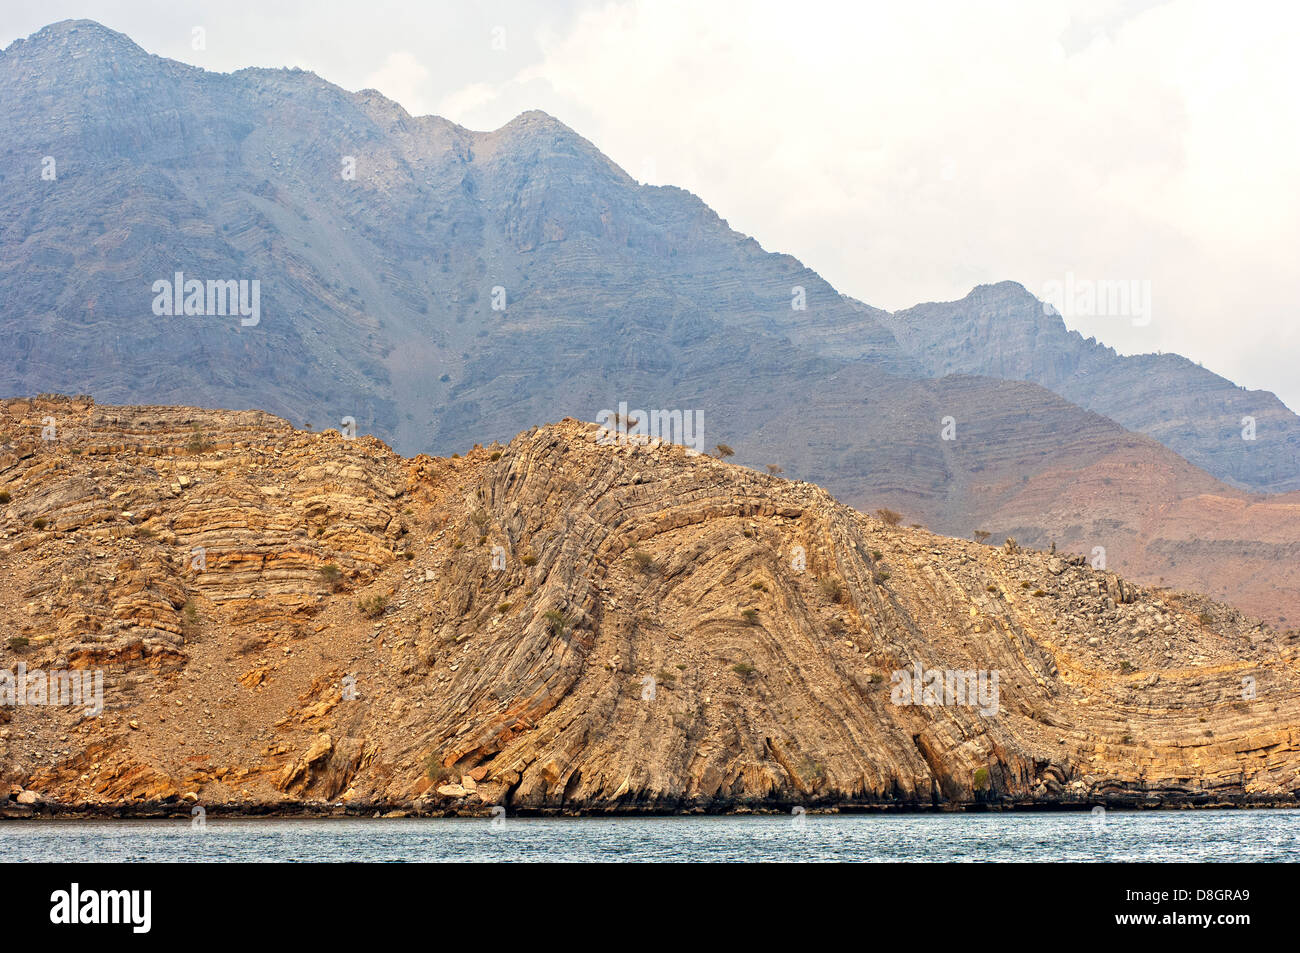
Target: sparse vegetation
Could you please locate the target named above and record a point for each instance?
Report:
(528, 559)
(1125, 666)
(981, 778)
(5, 497)
(643, 560)
(833, 590)
(1039, 593)
(439, 773)
(39, 523)
(19, 642)
(724, 451)
(889, 517)
(775, 469)
(981, 535)
(744, 670)
(372, 607)
(750, 616)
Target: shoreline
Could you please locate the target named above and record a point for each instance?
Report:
(373, 810)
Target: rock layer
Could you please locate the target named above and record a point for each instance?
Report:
(561, 625)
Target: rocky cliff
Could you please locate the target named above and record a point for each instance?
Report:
(286, 619)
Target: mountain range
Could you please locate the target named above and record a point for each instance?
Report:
(442, 287)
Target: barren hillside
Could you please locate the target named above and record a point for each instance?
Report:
(287, 618)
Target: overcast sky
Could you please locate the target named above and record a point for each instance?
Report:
(906, 151)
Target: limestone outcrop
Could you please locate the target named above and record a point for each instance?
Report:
(287, 620)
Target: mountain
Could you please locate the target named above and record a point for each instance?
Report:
(1004, 331)
(442, 287)
(294, 622)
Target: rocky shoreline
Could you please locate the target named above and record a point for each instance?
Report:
(1129, 800)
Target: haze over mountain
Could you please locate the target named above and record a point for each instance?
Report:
(382, 242)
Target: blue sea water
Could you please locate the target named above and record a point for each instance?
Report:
(1217, 835)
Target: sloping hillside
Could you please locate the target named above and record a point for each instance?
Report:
(562, 624)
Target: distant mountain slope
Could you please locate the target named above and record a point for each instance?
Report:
(1002, 331)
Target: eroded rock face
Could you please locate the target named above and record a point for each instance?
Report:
(564, 625)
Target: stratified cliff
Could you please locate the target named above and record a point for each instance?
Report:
(286, 618)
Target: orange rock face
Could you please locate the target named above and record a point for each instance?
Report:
(283, 618)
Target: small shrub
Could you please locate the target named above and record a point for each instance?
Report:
(437, 772)
(889, 517)
(981, 778)
(528, 559)
(19, 642)
(750, 616)
(496, 455)
(372, 606)
(1125, 666)
(5, 497)
(1205, 618)
(744, 670)
(724, 451)
(1039, 593)
(643, 560)
(981, 535)
(832, 590)
(39, 523)
(330, 573)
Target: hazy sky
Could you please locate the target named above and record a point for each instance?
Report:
(906, 151)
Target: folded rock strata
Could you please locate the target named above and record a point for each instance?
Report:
(285, 618)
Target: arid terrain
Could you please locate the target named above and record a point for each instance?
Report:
(292, 621)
